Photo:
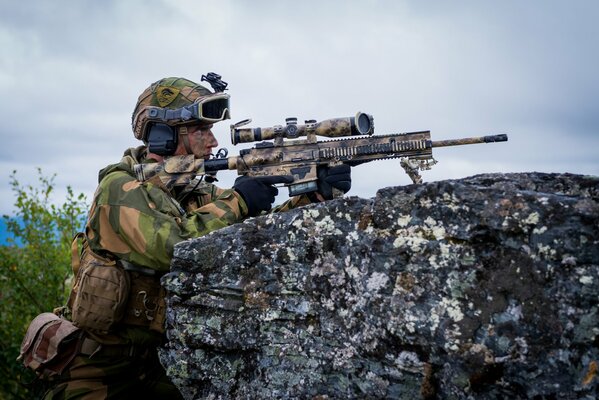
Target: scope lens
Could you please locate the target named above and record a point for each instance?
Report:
(363, 123)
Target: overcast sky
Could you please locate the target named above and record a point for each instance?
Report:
(71, 71)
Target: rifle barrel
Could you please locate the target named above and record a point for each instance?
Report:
(471, 140)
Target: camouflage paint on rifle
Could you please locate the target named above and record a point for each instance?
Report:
(295, 151)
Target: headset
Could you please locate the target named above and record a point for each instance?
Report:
(162, 139)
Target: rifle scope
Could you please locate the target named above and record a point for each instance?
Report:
(361, 124)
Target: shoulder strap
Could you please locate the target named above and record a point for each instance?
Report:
(75, 256)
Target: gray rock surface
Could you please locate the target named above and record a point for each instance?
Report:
(485, 288)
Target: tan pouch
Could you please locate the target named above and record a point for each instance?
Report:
(100, 293)
(49, 345)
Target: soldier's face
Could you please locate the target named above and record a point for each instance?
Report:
(201, 140)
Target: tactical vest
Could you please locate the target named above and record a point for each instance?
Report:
(108, 292)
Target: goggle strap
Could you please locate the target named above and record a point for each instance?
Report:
(164, 114)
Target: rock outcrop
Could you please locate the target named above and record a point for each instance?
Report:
(484, 288)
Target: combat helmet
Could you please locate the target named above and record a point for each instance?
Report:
(175, 102)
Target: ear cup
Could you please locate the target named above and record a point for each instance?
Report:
(162, 139)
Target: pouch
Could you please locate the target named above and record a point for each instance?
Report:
(99, 296)
(50, 344)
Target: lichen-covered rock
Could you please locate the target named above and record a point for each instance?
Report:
(484, 288)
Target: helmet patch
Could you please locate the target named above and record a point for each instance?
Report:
(166, 94)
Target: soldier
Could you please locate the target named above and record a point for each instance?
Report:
(117, 304)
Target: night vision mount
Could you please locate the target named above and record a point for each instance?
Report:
(214, 80)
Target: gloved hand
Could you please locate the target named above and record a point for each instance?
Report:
(259, 192)
(338, 177)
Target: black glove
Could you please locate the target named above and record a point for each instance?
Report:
(259, 192)
(338, 177)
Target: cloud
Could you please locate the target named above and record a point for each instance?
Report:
(70, 73)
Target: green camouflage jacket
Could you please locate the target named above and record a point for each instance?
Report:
(141, 222)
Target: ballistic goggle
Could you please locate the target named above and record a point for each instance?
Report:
(212, 108)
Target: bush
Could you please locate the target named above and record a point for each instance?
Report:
(35, 270)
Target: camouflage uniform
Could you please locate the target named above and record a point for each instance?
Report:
(104, 345)
(140, 223)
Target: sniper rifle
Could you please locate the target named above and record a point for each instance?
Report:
(295, 150)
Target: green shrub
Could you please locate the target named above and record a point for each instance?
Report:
(35, 270)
